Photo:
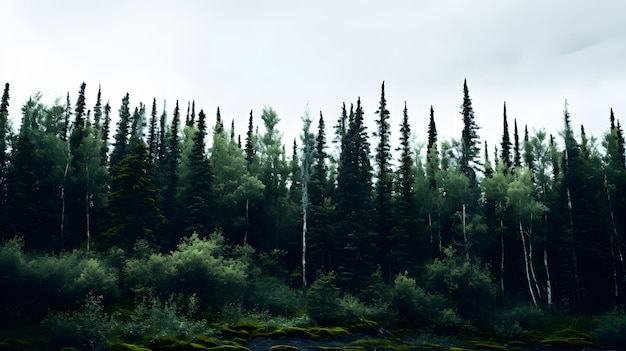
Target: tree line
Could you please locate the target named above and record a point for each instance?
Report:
(546, 212)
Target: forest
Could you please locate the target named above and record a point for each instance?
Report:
(125, 226)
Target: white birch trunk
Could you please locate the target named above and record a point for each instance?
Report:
(526, 266)
(530, 258)
(545, 264)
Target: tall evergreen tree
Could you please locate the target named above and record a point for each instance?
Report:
(132, 210)
(517, 154)
(122, 133)
(4, 135)
(68, 116)
(97, 113)
(153, 133)
(505, 145)
(354, 186)
(105, 133)
(528, 152)
(432, 152)
(168, 200)
(384, 180)
(250, 152)
(318, 186)
(469, 161)
(197, 190)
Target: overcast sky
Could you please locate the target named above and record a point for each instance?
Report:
(243, 55)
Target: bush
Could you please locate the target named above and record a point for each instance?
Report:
(468, 284)
(198, 266)
(89, 327)
(516, 322)
(377, 311)
(415, 307)
(611, 330)
(156, 318)
(272, 295)
(322, 301)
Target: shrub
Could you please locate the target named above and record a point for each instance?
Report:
(156, 318)
(415, 307)
(378, 310)
(322, 301)
(468, 284)
(611, 330)
(272, 295)
(198, 266)
(517, 321)
(86, 328)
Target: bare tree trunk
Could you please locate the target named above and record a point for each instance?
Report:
(526, 265)
(545, 263)
(530, 257)
(613, 236)
(67, 166)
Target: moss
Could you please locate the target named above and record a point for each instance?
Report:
(127, 347)
(489, 346)
(573, 342)
(457, 349)
(14, 345)
(284, 348)
(240, 341)
(239, 333)
(169, 343)
(69, 349)
(228, 348)
(516, 343)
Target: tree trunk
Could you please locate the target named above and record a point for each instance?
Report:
(526, 265)
(502, 259)
(545, 263)
(530, 258)
(465, 235)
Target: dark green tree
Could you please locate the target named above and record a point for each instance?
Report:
(505, 145)
(198, 188)
(120, 146)
(318, 185)
(250, 141)
(432, 152)
(470, 151)
(517, 154)
(168, 201)
(384, 182)
(354, 204)
(153, 133)
(132, 210)
(4, 136)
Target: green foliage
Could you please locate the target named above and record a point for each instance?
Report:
(518, 321)
(415, 307)
(611, 330)
(88, 327)
(155, 318)
(322, 301)
(198, 266)
(467, 284)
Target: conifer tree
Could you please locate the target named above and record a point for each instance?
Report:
(153, 133)
(318, 186)
(505, 145)
(432, 152)
(132, 211)
(528, 152)
(168, 201)
(384, 180)
(354, 186)
(68, 115)
(97, 113)
(198, 187)
(250, 152)
(105, 133)
(469, 161)
(517, 154)
(122, 133)
(4, 134)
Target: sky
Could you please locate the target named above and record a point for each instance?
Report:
(244, 55)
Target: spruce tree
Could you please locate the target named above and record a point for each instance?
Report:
(4, 134)
(517, 154)
(505, 145)
(97, 112)
(122, 133)
(250, 152)
(153, 133)
(354, 186)
(528, 151)
(432, 152)
(469, 161)
(168, 201)
(384, 180)
(198, 188)
(105, 133)
(318, 186)
(68, 115)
